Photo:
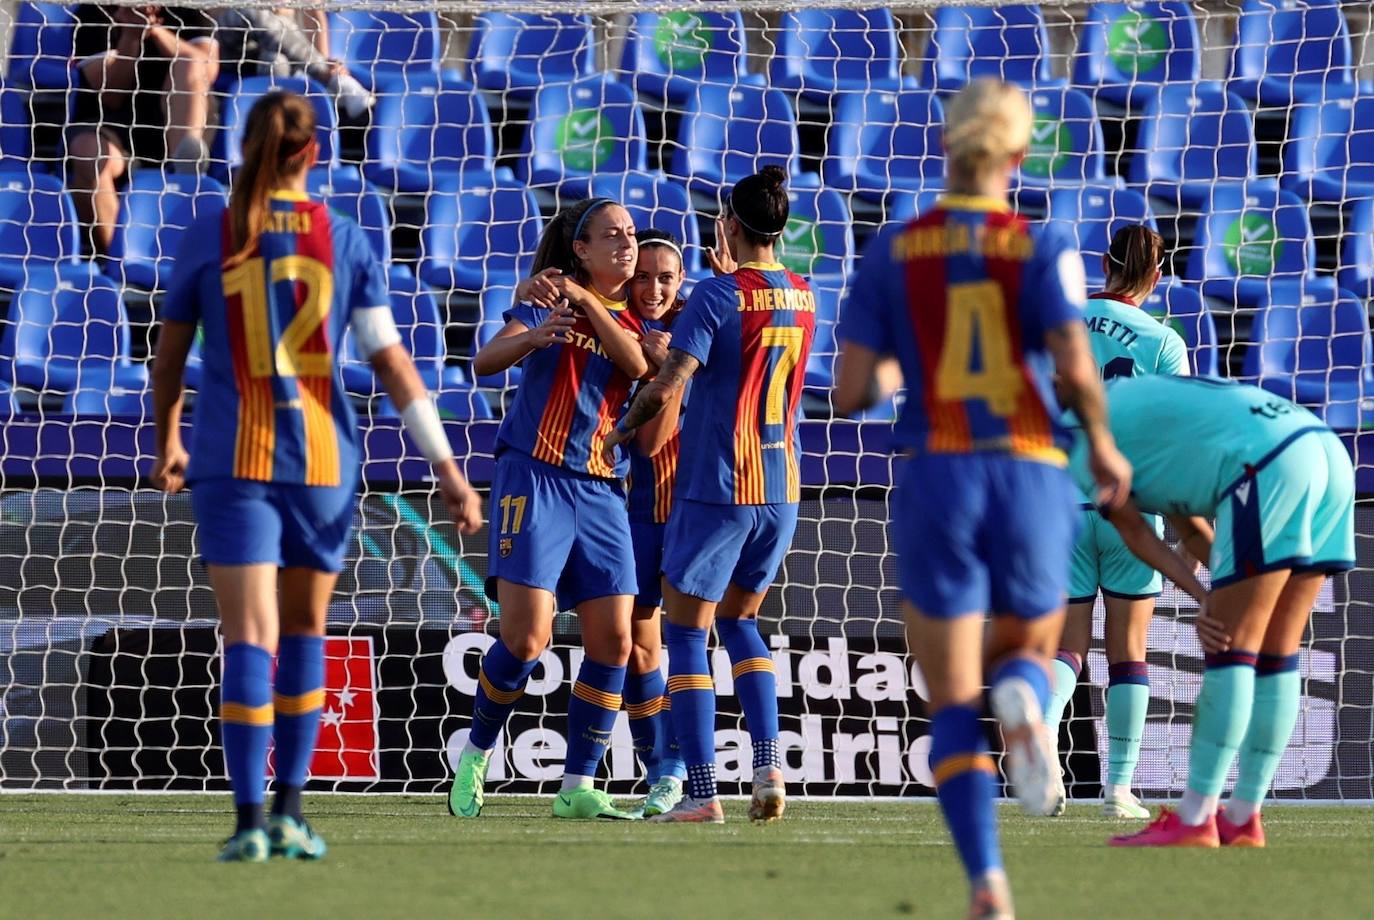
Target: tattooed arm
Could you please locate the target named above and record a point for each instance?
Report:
(653, 398)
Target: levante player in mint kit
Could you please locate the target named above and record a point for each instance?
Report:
(560, 534)
(743, 340)
(978, 308)
(1281, 489)
(275, 280)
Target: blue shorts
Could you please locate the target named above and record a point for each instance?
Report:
(978, 533)
(243, 522)
(708, 547)
(558, 530)
(1101, 560)
(1294, 509)
(647, 539)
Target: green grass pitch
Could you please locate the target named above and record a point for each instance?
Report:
(152, 857)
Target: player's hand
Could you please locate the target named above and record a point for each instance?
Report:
(1112, 473)
(613, 440)
(1211, 632)
(461, 500)
(553, 330)
(573, 293)
(655, 343)
(722, 263)
(540, 289)
(169, 469)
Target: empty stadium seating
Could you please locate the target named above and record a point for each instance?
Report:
(517, 53)
(1008, 42)
(344, 189)
(823, 52)
(41, 46)
(668, 55)
(880, 143)
(729, 132)
(426, 129)
(579, 129)
(155, 211)
(1288, 48)
(229, 139)
(1250, 237)
(1191, 138)
(1127, 51)
(379, 46)
(1330, 152)
(37, 226)
(479, 234)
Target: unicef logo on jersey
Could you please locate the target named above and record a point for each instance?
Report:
(1136, 44)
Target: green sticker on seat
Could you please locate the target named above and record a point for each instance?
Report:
(585, 139)
(802, 241)
(1136, 43)
(1252, 245)
(682, 40)
(1049, 147)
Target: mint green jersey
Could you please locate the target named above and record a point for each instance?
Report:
(1128, 342)
(1190, 439)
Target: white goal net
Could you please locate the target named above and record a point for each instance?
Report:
(1244, 131)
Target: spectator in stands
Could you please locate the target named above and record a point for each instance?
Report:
(142, 93)
(259, 42)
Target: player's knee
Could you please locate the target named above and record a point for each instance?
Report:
(644, 657)
(611, 647)
(188, 75)
(525, 647)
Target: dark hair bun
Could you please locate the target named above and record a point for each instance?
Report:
(773, 176)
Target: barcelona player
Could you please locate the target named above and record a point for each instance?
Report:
(560, 532)
(1126, 342)
(1281, 488)
(653, 453)
(978, 308)
(274, 280)
(749, 331)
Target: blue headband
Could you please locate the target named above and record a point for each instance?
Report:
(582, 221)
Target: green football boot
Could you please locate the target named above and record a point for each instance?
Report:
(663, 795)
(294, 839)
(588, 804)
(465, 791)
(246, 846)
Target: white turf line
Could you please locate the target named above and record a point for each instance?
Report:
(845, 799)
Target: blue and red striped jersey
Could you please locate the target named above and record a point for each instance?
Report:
(649, 497)
(271, 405)
(963, 296)
(752, 332)
(570, 397)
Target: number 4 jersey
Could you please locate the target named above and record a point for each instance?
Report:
(751, 330)
(963, 297)
(271, 405)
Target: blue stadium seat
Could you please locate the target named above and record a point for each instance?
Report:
(517, 53)
(38, 228)
(1127, 51)
(1182, 309)
(580, 129)
(1250, 236)
(1066, 145)
(1008, 42)
(154, 213)
(1191, 138)
(69, 336)
(1093, 215)
(820, 366)
(41, 46)
(378, 45)
(905, 206)
(656, 203)
(1286, 49)
(1329, 157)
(479, 233)
(668, 55)
(817, 239)
(1357, 255)
(234, 116)
(344, 190)
(494, 301)
(823, 52)
(16, 131)
(429, 127)
(885, 142)
(729, 132)
(1312, 346)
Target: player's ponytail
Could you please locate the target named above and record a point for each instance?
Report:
(276, 145)
(1133, 259)
(986, 124)
(556, 245)
(759, 203)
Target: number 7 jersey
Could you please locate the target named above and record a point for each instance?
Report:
(963, 297)
(271, 405)
(752, 331)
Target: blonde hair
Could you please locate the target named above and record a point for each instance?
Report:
(986, 124)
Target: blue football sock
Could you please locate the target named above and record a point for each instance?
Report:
(693, 706)
(245, 714)
(1278, 693)
(297, 701)
(595, 700)
(756, 686)
(1066, 667)
(1220, 717)
(965, 783)
(1028, 669)
(500, 684)
(1128, 702)
(670, 757)
(644, 703)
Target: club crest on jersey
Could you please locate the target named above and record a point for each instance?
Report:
(506, 547)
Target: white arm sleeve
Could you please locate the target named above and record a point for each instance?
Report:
(422, 423)
(374, 328)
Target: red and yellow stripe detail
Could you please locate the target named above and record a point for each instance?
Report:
(646, 709)
(957, 764)
(502, 697)
(298, 705)
(589, 694)
(679, 682)
(665, 476)
(751, 666)
(241, 714)
(551, 437)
